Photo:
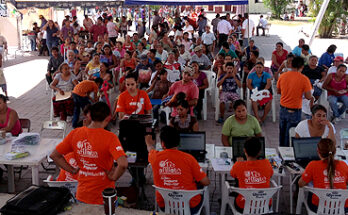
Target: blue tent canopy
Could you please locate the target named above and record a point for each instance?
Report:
(186, 2)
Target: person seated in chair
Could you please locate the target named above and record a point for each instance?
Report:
(174, 169)
(252, 173)
(326, 173)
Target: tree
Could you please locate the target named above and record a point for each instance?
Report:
(335, 10)
(277, 6)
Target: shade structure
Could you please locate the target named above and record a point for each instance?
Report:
(186, 2)
(20, 4)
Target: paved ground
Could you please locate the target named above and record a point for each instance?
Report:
(30, 99)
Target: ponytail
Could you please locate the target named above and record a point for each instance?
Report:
(327, 150)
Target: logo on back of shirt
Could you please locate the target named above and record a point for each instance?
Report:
(85, 149)
(337, 179)
(254, 177)
(168, 168)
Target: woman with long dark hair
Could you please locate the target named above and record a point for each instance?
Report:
(325, 173)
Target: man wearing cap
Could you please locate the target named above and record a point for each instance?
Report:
(337, 61)
(144, 71)
(203, 61)
(186, 86)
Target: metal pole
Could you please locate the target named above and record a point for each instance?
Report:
(149, 20)
(318, 20)
(248, 25)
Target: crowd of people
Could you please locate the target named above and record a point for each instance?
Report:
(89, 63)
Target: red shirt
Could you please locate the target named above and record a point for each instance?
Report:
(316, 171)
(252, 174)
(97, 30)
(174, 169)
(280, 59)
(95, 151)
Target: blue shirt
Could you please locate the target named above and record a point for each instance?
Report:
(298, 51)
(230, 85)
(326, 59)
(256, 80)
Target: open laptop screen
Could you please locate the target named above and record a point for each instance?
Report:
(194, 141)
(238, 147)
(306, 148)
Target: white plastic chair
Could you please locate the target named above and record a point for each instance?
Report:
(54, 125)
(331, 201)
(268, 27)
(178, 201)
(217, 101)
(256, 200)
(71, 185)
(211, 76)
(167, 110)
(292, 133)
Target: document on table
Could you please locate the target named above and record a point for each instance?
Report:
(221, 164)
(60, 97)
(287, 153)
(222, 151)
(210, 148)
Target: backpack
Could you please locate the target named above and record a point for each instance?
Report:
(38, 201)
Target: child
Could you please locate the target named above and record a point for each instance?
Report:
(219, 62)
(90, 47)
(222, 69)
(229, 82)
(73, 48)
(2, 78)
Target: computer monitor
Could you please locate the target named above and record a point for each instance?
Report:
(238, 147)
(305, 148)
(194, 144)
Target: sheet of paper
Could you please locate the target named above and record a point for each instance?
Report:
(287, 153)
(210, 148)
(221, 165)
(60, 97)
(222, 150)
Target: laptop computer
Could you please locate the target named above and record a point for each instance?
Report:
(194, 144)
(305, 150)
(238, 148)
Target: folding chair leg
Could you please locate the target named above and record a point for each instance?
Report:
(274, 111)
(205, 109)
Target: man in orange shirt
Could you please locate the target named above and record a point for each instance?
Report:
(174, 169)
(95, 150)
(252, 173)
(292, 85)
(81, 96)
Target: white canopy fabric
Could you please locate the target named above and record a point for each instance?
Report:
(186, 2)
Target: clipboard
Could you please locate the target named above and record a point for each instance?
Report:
(60, 97)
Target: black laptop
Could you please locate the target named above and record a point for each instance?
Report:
(194, 144)
(305, 150)
(238, 148)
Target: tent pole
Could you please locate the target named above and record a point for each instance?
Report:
(149, 18)
(248, 25)
(318, 20)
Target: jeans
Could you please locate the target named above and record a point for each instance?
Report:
(222, 38)
(287, 119)
(79, 103)
(317, 91)
(50, 44)
(32, 42)
(333, 104)
(155, 111)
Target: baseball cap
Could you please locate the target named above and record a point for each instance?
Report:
(198, 48)
(338, 58)
(189, 70)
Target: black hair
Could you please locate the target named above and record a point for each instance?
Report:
(87, 109)
(297, 62)
(184, 104)
(256, 53)
(162, 72)
(341, 65)
(4, 98)
(180, 96)
(252, 146)
(238, 103)
(290, 55)
(54, 48)
(72, 43)
(99, 111)
(318, 107)
(217, 15)
(305, 47)
(331, 49)
(225, 45)
(99, 81)
(170, 137)
(153, 51)
(107, 46)
(132, 75)
(280, 43)
(222, 54)
(230, 64)
(194, 62)
(259, 63)
(157, 62)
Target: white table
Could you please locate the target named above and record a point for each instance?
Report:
(38, 154)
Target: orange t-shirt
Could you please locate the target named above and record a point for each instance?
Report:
(292, 85)
(133, 105)
(174, 169)
(67, 176)
(251, 174)
(86, 87)
(95, 151)
(316, 172)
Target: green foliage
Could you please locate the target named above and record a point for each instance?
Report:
(335, 10)
(277, 6)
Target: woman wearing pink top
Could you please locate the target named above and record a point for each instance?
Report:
(9, 121)
(336, 86)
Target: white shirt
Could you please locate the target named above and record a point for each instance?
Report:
(162, 56)
(224, 27)
(110, 26)
(188, 29)
(263, 22)
(303, 131)
(208, 38)
(250, 30)
(186, 56)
